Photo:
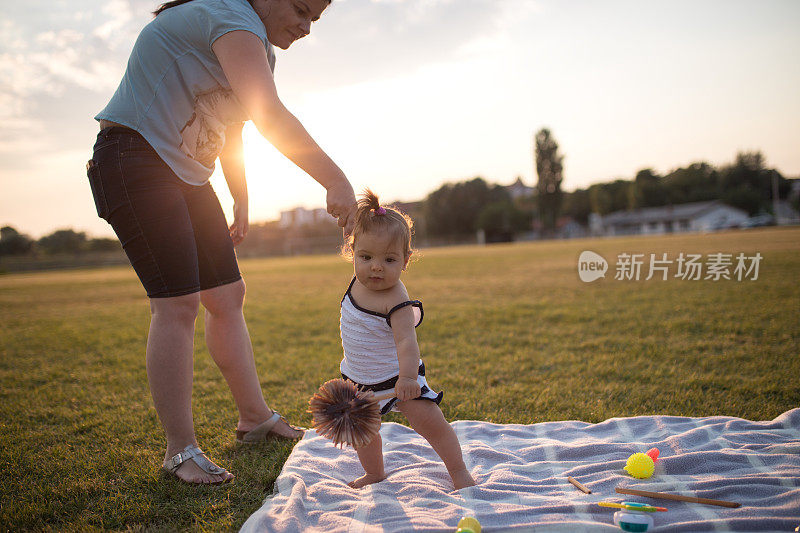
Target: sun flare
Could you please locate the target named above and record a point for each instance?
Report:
(274, 183)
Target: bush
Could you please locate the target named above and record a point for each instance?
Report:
(501, 220)
(13, 242)
(63, 241)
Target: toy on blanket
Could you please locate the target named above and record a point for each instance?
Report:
(677, 497)
(633, 506)
(345, 414)
(633, 515)
(642, 465)
(468, 524)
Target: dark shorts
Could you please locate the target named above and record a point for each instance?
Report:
(175, 234)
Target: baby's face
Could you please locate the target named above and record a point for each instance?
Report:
(378, 260)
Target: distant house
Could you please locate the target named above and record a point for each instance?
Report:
(569, 228)
(785, 214)
(566, 228)
(519, 189)
(794, 188)
(695, 216)
(300, 216)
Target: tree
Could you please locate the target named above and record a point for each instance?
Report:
(747, 183)
(549, 167)
(746, 199)
(13, 242)
(578, 205)
(647, 190)
(63, 241)
(606, 198)
(453, 209)
(699, 182)
(501, 220)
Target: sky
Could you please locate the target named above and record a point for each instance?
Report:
(406, 95)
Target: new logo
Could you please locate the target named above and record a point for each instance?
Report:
(591, 266)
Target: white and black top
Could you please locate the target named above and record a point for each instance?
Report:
(370, 354)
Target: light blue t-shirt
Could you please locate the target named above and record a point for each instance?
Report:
(174, 92)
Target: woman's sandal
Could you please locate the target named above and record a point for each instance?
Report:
(264, 432)
(194, 453)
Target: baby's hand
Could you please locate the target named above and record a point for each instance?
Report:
(407, 389)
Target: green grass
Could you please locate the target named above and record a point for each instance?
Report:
(511, 334)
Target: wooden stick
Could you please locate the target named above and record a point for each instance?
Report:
(578, 484)
(384, 394)
(678, 497)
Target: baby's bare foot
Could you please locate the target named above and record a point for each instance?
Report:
(367, 479)
(462, 479)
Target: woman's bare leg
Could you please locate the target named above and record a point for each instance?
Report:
(169, 372)
(229, 343)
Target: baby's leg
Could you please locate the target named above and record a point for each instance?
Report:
(371, 457)
(427, 419)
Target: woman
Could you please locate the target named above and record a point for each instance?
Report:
(196, 73)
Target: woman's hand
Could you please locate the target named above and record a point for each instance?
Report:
(240, 222)
(407, 389)
(342, 205)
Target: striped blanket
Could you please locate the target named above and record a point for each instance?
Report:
(522, 475)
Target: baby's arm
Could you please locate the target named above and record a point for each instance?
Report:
(405, 339)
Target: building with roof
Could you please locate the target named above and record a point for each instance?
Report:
(300, 216)
(690, 217)
(519, 189)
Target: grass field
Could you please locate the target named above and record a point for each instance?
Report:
(511, 334)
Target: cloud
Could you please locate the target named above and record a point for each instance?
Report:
(357, 41)
(59, 64)
(51, 50)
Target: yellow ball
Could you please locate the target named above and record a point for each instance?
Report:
(640, 466)
(469, 523)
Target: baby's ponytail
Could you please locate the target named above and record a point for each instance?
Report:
(368, 201)
(371, 217)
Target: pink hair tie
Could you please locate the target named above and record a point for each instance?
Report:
(379, 211)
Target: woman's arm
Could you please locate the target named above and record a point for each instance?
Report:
(232, 160)
(244, 61)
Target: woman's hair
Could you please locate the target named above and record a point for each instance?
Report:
(173, 3)
(371, 217)
(167, 5)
